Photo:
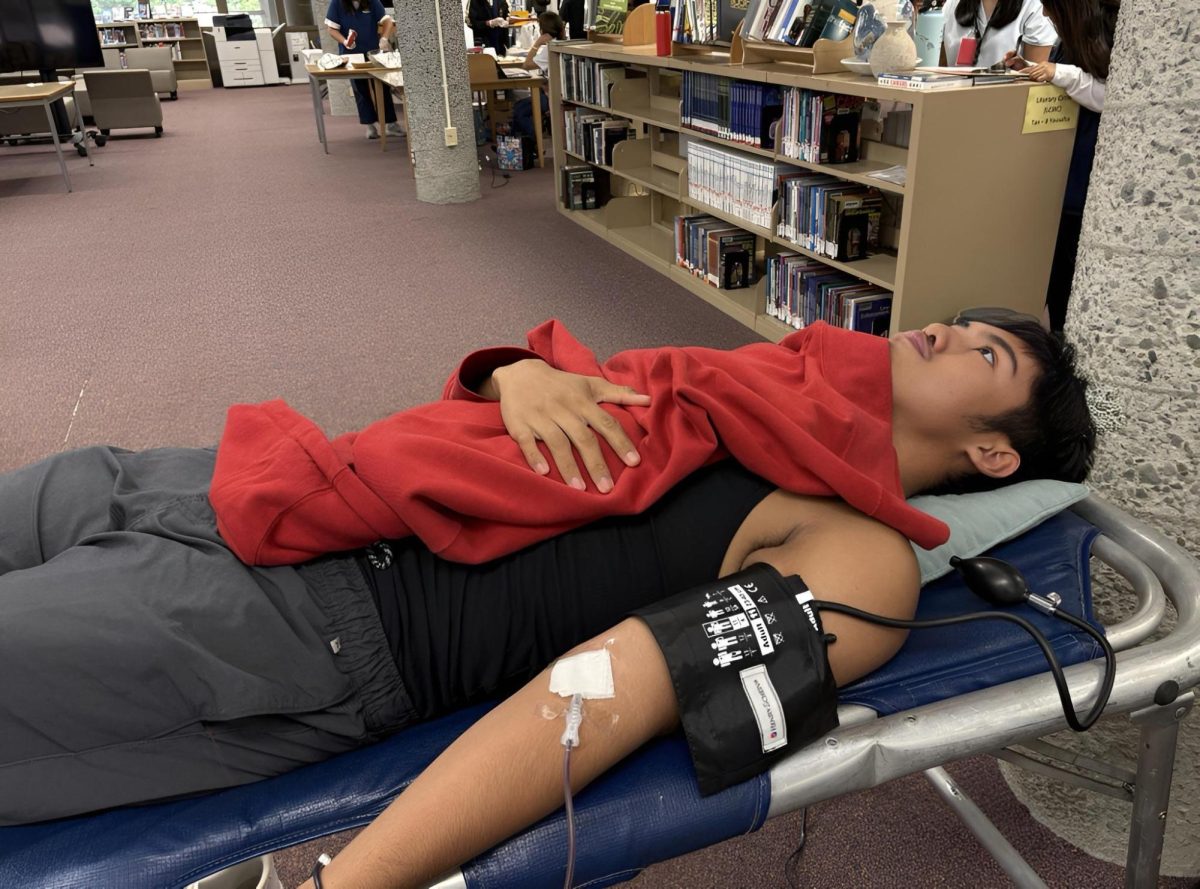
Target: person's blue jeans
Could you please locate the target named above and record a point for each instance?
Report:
(522, 115)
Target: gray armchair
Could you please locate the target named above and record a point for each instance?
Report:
(123, 100)
(157, 60)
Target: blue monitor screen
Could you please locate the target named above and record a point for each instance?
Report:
(42, 35)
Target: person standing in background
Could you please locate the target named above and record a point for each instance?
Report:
(1079, 64)
(572, 13)
(359, 26)
(980, 32)
(489, 24)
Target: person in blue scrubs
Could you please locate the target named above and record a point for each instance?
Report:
(359, 26)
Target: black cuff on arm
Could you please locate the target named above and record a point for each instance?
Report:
(748, 660)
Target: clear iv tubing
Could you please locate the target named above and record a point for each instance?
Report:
(570, 819)
(570, 738)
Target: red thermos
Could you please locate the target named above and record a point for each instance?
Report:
(662, 33)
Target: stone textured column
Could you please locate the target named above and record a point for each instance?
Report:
(444, 175)
(341, 98)
(1135, 317)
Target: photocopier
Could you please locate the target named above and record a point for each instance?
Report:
(246, 53)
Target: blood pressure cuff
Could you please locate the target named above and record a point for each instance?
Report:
(747, 656)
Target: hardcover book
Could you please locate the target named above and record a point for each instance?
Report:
(610, 16)
(923, 80)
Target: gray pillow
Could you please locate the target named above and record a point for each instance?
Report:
(980, 521)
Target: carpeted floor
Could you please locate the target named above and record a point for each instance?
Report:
(231, 260)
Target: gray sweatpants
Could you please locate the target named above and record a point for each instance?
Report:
(140, 660)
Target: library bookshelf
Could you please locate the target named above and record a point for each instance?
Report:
(181, 35)
(974, 223)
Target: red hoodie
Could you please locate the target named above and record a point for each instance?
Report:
(812, 414)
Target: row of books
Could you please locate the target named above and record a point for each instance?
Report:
(829, 216)
(589, 80)
(704, 21)
(801, 291)
(730, 109)
(732, 182)
(593, 135)
(715, 251)
(799, 22)
(584, 187)
(160, 30)
(820, 128)
(115, 37)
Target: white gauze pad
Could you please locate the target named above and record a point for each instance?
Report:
(588, 673)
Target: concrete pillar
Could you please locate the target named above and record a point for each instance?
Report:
(341, 99)
(1135, 317)
(444, 175)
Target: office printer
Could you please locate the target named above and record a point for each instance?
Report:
(246, 53)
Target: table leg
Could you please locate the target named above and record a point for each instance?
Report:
(489, 96)
(318, 110)
(536, 97)
(62, 164)
(377, 94)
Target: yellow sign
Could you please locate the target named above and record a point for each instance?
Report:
(1049, 108)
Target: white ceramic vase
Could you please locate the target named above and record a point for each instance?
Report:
(895, 51)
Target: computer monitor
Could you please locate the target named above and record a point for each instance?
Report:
(43, 35)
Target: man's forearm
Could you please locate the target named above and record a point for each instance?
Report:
(506, 771)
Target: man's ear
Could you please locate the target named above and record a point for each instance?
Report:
(994, 456)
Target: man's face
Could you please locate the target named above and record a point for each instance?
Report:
(945, 375)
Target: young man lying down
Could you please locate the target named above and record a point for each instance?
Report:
(147, 661)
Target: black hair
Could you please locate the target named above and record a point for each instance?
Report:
(1053, 432)
(1005, 13)
(552, 23)
(1086, 29)
(348, 5)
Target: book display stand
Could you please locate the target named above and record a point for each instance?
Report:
(181, 34)
(824, 57)
(638, 30)
(949, 236)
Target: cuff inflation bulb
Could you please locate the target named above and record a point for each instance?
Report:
(999, 583)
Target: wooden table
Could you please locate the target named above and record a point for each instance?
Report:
(25, 95)
(315, 75)
(534, 84)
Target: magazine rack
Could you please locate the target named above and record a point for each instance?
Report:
(824, 57)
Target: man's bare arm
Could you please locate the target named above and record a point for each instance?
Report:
(505, 772)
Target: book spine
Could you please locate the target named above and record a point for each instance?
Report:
(902, 83)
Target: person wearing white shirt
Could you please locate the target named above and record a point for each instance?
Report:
(997, 27)
(537, 60)
(1080, 66)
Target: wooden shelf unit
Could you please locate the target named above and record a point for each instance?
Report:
(978, 212)
(191, 69)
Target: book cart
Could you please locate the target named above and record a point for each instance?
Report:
(974, 223)
(182, 35)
